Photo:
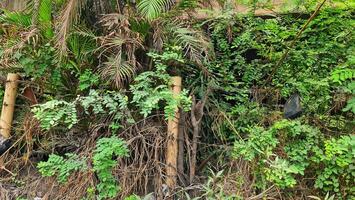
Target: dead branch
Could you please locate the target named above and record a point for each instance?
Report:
(196, 117)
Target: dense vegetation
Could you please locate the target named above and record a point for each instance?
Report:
(100, 73)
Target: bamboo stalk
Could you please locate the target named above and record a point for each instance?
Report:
(173, 134)
(8, 106)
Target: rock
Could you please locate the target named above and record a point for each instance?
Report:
(293, 107)
(5, 144)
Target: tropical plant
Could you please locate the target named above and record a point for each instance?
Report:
(337, 158)
(103, 67)
(61, 167)
(103, 163)
(151, 9)
(55, 112)
(152, 87)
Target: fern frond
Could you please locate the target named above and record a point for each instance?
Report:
(151, 9)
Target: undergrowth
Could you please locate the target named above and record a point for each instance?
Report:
(103, 83)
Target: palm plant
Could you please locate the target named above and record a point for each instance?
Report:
(69, 15)
(169, 29)
(151, 9)
(165, 29)
(119, 40)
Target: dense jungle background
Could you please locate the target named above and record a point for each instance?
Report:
(266, 110)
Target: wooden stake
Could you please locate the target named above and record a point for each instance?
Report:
(8, 106)
(173, 134)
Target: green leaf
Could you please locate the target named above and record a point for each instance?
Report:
(151, 9)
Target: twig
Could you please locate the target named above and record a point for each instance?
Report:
(8, 171)
(196, 117)
(231, 124)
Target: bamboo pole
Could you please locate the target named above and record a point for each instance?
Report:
(8, 106)
(173, 134)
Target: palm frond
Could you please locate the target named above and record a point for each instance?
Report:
(19, 19)
(118, 49)
(81, 46)
(158, 36)
(151, 9)
(45, 17)
(121, 64)
(115, 21)
(196, 45)
(68, 16)
(117, 71)
(42, 16)
(24, 38)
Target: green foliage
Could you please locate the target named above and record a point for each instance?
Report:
(247, 56)
(41, 64)
(104, 160)
(55, 112)
(152, 87)
(350, 106)
(281, 172)
(136, 197)
(246, 114)
(132, 197)
(107, 103)
(261, 145)
(87, 80)
(214, 188)
(16, 18)
(106, 149)
(151, 9)
(317, 67)
(350, 88)
(90, 194)
(61, 167)
(45, 18)
(338, 158)
(302, 149)
(188, 4)
(340, 75)
(246, 97)
(81, 45)
(345, 78)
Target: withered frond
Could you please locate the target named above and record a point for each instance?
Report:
(68, 16)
